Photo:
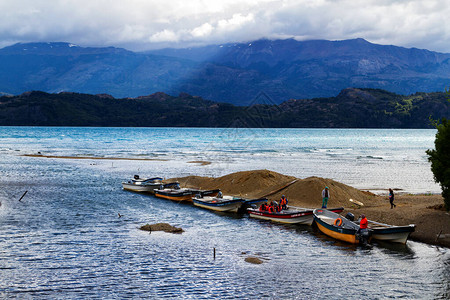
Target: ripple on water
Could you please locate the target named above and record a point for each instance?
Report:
(65, 239)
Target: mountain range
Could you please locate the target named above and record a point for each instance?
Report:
(263, 71)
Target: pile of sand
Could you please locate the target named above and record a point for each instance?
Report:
(245, 183)
(263, 183)
(308, 193)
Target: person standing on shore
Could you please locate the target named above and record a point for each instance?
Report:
(391, 198)
(325, 197)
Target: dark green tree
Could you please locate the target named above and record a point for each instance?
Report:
(440, 158)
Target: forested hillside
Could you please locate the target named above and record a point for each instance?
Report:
(352, 108)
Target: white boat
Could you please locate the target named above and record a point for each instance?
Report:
(293, 215)
(138, 184)
(225, 203)
(391, 233)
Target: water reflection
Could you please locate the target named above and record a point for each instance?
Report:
(400, 250)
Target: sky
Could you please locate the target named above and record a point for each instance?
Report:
(140, 25)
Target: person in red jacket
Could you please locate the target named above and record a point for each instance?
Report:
(363, 223)
(363, 231)
(262, 207)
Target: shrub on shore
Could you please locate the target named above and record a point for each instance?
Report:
(440, 159)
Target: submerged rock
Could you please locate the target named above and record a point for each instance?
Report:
(161, 227)
(253, 260)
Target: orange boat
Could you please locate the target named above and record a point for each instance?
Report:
(339, 227)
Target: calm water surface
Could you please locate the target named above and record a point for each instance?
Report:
(65, 239)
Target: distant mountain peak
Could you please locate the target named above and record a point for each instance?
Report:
(55, 48)
(40, 45)
(360, 40)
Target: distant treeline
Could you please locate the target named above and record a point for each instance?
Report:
(352, 108)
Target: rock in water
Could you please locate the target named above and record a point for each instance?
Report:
(161, 227)
(253, 260)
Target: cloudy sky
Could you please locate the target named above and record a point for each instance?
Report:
(148, 24)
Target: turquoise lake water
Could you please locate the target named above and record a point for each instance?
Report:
(373, 159)
(65, 239)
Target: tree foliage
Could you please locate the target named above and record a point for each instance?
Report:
(440, 159)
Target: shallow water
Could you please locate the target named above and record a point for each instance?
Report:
(65, 239)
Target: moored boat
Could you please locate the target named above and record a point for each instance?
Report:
(391, 233)
(176, 193)
(338, 227)
(293, 215)
(226, 203)
(138, 184)
(249, 203)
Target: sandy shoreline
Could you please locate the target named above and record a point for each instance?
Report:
(425, 211)
(92, 157)
(200, 162)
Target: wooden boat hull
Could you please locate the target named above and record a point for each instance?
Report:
(218, 204)
(390, 233)
(338, 234)
(301, 216)
(325, 222)
(184, 195)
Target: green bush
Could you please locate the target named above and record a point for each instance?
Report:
(440, 159)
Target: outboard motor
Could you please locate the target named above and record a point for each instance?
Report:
(350, 216)
(363, 236)
(136, 177)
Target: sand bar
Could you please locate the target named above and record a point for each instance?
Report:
(201, 162)
(93, 157)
